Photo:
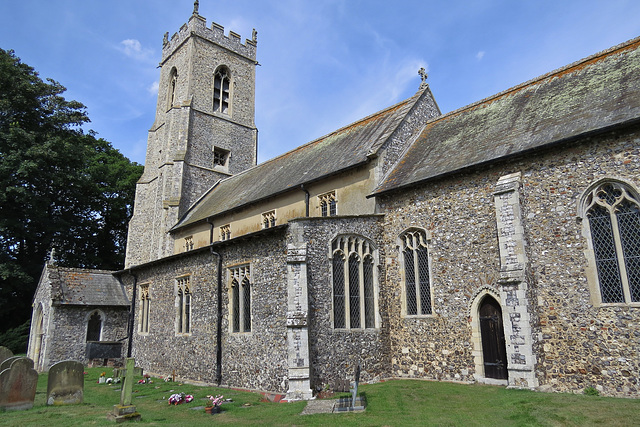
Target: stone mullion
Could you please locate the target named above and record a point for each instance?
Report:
(620, 255)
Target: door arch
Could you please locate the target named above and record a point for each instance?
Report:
(493, 342)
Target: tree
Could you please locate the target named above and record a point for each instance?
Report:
(59, 188)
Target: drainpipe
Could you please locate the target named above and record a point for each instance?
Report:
(210, 230)
(132, 313)
(219, 321)
(306, 200)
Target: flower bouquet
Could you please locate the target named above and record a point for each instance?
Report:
(178, 398)
(216, 401)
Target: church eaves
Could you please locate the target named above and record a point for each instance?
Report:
(343, 149)
(587, 97)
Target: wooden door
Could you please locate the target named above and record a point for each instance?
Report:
(493, 343)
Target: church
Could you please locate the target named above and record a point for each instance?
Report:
(498, 243)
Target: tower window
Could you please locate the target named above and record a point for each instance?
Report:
(171, 94)
(220, 157)
(221, 91)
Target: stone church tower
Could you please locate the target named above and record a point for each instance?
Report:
(204, 130)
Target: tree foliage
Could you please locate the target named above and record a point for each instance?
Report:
(60, 188)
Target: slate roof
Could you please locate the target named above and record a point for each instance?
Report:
(76, 286)
(588, 96)
(343, 149)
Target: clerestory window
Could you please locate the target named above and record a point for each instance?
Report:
(328, 204)
(183, 304)
(225, 232)
(188, 243)
(269, 219)
(417, 287)
(240, 299)
(354, 294)
(614, 223)
(221, 90)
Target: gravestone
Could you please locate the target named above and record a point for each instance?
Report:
(5, 353)
(355, 402)
(125, 411)
(66, 383)
(8, 361)
(18, 385)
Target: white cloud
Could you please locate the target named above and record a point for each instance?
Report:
(133, 49)
(153, 89)
(480, 55)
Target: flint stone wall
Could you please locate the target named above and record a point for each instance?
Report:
(577, 344)
(253, 360)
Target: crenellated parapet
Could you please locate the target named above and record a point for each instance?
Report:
(197, 26)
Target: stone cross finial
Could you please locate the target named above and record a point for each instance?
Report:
(254, 35)
(423, 75)
(196, 5)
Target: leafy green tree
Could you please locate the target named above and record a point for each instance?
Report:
(59, 187)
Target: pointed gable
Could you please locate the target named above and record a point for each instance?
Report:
(586, 97)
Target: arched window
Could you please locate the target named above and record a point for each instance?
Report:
(221, 83)
(353, 283)
(614, 224)
(173, 82)
(240, 300)
(94, 327)
(417, 287)
(183, 296)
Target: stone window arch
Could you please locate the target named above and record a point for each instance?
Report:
(610, 210)
(354, 283)
(172, 87)
(95, 322)
(415, 272)
(222, 90)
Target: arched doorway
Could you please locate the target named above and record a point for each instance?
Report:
(493, 343)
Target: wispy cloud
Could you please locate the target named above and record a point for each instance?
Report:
(153, 89)
(133, 49)
(480, 55)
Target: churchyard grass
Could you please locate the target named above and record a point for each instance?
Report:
(391, 403)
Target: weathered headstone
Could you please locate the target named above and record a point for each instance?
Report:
(354, 391)
(6, 364)
(66, 383)
(5, 353)
(18, 385)
(125, 411)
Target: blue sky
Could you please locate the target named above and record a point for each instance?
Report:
(323, 63)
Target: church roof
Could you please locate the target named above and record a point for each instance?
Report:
(586, 97)
(343, 149)
(76, 286)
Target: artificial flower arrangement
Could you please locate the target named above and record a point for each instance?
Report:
(178, 398)
(216, 400)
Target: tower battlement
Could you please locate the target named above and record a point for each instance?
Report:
(197, 26)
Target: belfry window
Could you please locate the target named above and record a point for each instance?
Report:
(221, 90)
(328, 204)
(220, 157)
(353, 282)
(183, 303)
(614, 223)
(171, 94)
(417, 289)
(240, 299)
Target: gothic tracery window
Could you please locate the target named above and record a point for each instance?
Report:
(269, 219)
(240, 304)
(221, 90)
(144, 309)
(614, 222)
(416, 273)
(183, 291)
(353, 283)
(173, 82)
(328, 204)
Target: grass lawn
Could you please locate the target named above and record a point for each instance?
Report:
(391, 403)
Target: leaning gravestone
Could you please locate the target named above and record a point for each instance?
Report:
(5, 353)
(18, 385)
(66, 383)
(125, 411)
